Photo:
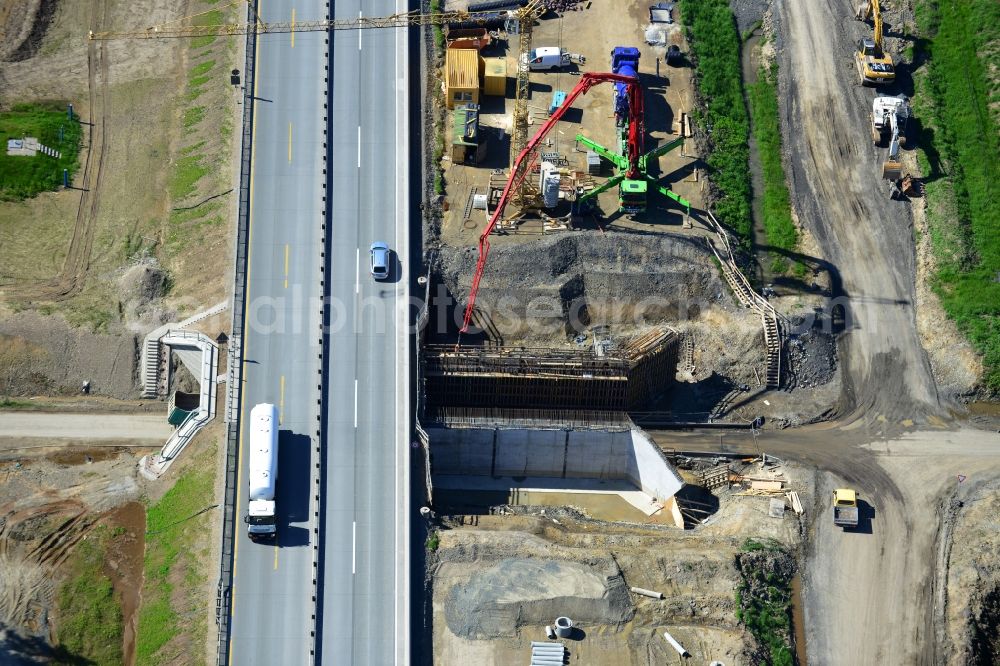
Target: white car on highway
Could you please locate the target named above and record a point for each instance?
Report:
(379, 253)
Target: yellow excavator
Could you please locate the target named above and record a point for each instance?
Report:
(874, 64)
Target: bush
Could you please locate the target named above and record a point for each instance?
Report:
(764, 597)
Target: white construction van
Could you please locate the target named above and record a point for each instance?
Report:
(552, 57)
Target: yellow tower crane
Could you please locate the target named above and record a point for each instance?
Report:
(874, 64)
(519, 133)
(189, 27)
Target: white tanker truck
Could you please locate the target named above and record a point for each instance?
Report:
(263, 472)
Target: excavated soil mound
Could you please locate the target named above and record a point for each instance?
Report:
(44, 355)
(519, 591)
(558, 286)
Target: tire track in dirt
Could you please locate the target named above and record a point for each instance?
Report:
(842, 200)
(859, 586)
(70, 280)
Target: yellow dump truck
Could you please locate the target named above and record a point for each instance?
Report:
(845, 508)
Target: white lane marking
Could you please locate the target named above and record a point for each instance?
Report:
(401, 443)
(359, 32)
(357, 272)
(355, 403)
(359, 146)
(354, 547)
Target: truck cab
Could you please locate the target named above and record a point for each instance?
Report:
(845, 508)
(260, 520)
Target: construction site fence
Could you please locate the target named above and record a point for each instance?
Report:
(235, 358)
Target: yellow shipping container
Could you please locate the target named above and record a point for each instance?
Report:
(462, 78)
(495, 76)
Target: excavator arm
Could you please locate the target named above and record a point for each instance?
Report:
(871, 10)
(878, 25)
(587, 81)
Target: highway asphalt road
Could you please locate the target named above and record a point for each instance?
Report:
(363, 615)
(272, 608)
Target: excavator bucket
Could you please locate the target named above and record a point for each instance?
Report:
(892, 170)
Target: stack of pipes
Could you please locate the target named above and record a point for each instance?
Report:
(547, 654)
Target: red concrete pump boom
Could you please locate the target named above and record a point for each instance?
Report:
(636, 132)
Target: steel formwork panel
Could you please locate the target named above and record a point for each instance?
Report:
(526, 378)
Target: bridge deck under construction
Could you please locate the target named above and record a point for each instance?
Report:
(536, 378)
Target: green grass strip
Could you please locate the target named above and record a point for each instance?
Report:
(187, 172)
(777, 209)
(170, 541)
(716, 45)
(91, 625)
(22, 176)
(959, 153)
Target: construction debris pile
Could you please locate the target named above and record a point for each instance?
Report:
(762, 476)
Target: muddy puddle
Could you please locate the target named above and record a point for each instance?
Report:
(124, 566)
(750, 65)
(985, 409)
(84, 456)
(798, 622)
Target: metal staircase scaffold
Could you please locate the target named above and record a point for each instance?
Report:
(770, 319)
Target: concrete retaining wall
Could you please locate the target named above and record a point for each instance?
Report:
(589, 454)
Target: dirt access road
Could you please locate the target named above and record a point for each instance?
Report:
(841, 199)
(872, 595)
(869, 595)
(136, 427)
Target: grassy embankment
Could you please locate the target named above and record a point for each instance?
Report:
(90, 627)
(439, 126)
(177, 549)
(22, 177)
(205, 134)
(777, 209)
(716, 45)
(957, 102)
(764, 598)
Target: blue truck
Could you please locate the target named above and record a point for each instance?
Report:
(624, 61)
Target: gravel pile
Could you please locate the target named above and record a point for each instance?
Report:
(747, 12)
(563, 5)
(812, 358)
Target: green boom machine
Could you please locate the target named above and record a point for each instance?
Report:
(632, 176)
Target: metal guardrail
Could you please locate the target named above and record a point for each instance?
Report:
(234, 386)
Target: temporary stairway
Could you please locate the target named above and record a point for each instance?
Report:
(151, 367)
(770, 319)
